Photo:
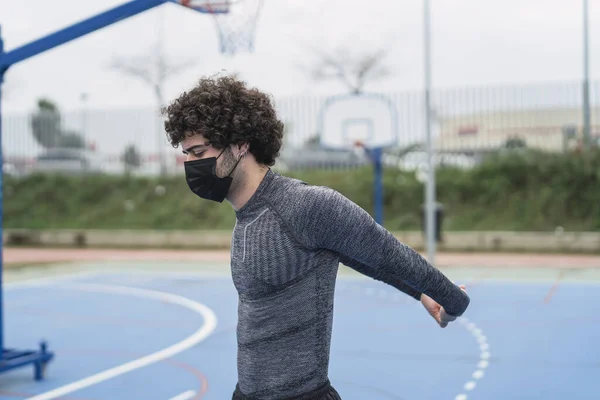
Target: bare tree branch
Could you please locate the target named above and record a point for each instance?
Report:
(154, 70)
(133, 68)
(151, 68)
(354, 70)
(332, 66)
(170, 70)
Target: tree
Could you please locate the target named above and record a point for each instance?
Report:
(154, 70)
(515, 142)
(131, 158)
(71, 140)
(45, 123)
(351, 67)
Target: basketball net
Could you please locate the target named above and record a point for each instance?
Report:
(235, 21)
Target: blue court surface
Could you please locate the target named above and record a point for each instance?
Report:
(153, 333)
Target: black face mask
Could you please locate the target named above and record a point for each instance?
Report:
(202, 179)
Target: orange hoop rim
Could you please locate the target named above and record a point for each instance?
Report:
(209, 6)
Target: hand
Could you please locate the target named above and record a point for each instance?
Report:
(436, 311)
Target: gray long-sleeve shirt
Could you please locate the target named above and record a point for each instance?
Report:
(287, 244)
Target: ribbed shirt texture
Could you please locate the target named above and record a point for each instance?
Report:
(287, 244)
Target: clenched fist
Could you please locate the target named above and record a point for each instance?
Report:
(436, 311)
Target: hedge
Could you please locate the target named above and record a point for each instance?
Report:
(518, 190)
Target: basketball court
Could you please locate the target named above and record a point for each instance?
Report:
(126, 329)
(235, 21)
(162, 325)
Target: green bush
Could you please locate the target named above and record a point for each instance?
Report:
(517, 190)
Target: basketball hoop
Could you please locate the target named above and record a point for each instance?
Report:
(235, 21)
(359, 144)
(207, 6)
(359, 148)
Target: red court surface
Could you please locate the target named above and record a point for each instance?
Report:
(16, 256)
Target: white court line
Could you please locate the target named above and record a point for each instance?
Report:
(173, 274)
(483, 346)
(184, 396)
(483, 357)
(36, 282)
(210, 323)
(476, 332)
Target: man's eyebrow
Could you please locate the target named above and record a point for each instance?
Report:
(185, 151)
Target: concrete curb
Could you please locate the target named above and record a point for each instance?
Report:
(485, 241)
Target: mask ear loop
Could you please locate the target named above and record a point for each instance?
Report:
(222, 151)
(242, 155)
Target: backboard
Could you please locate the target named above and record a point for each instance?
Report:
(366, 118)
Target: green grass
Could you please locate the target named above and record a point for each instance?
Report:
(517, 191)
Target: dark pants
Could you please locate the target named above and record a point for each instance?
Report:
(325, 392)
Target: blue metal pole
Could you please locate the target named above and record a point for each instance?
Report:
(14, 359)
(79, 29)
(2, 70)
(378, 198)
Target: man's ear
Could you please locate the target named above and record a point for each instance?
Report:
(243, 149)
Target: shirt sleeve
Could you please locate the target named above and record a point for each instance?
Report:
(331, 221)
(380, 276)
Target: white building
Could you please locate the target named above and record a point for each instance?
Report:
(543, 129)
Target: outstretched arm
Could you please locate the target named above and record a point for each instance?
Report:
(378, 275)
(334, 222)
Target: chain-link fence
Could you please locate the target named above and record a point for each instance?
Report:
(468, 123)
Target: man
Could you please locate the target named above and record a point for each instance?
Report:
(287, 243)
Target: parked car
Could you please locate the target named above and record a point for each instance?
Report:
(313, 157)
(417, 161)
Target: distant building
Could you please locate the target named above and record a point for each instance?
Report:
(544, 129)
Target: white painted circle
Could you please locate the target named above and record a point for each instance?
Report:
(210, 323)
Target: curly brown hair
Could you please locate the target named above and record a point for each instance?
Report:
(225, 112)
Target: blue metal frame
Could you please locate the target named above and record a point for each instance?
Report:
(10, 359)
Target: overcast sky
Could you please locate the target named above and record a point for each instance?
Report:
(474, 43)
